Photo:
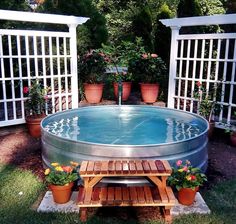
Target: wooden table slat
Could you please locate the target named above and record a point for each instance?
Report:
(103, 195)
(139, 167)
(97, 167)
(148, 194)
(160, 166)
(118, 167)
(163, 194)
(111, 167)
(95, 195)
(133, 195)
(110, 195)
(104, 167)
(146, 166)
(90, 167)
(125, 195)
(170, 195)
(83, 167)
(118, 195)
(153, 166)
(125, 167)
(167, 166)
(140, 194)
(155, 195)
(132, 167)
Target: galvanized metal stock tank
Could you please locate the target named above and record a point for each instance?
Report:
(57, 148)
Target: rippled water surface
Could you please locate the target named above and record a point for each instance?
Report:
(125, 125)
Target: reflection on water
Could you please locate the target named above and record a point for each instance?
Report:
(125, 128)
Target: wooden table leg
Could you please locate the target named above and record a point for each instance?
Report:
(83, 214)
(166, 213)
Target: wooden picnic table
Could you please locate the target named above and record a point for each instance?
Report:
(156, 171)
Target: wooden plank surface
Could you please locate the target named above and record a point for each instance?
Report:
(152, 166)
(146, 166)
(104, 167)
(167, 166)
(148, 194)
(160, 166)
(125, 195)
(155, 195)
(110, 195)
(97, 167)
(170, 195)
(139, 167)
(103, 195)
(163, 195)
(118, 195)
(140, 194)
(83, 167)
(90, 167)
(133, 195)
(118, 167)
(88, 195)
(132, 167)
(111, 167)
(95, 195)
(125, 167)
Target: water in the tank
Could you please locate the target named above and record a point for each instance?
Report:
(124, 127)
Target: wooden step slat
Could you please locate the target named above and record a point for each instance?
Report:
(81, 195)
(140, 194)
(90, 167)
(118, 167)
(132, 167)
(104, 167)
(155, 195)
(167, 166)
(148, 194)
(111, 167)
(139, 166)
(118, 195)
(146, 166)
(97, 167)
(170, 195)
(160, 167)
(133, 195)
(110, 195)
(125, 167)
(83, 167)
(103, 195)
(95, 195)
(153, 166)
(125, 195)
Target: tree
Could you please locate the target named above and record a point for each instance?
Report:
(91, 34)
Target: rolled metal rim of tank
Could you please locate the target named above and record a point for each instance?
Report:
(126, 145)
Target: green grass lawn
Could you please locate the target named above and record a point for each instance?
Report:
(20, 189)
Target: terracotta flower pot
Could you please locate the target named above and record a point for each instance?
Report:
(186, 196)
(233, 139)
(61, 194)
(33, 124)
(93, 92)
(125, 92)
(149, 92)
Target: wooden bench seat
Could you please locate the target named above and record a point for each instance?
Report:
(125, 196)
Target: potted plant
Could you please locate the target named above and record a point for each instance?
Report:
(149, 69)
(91, 68)
(61, 180)
(186, 179)
(118, 60)
(206, 104)
(35, 107)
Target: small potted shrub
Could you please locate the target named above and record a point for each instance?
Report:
(91, 68)
(61, 179)
(35, 107)
(149, 70)
(186, 179)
